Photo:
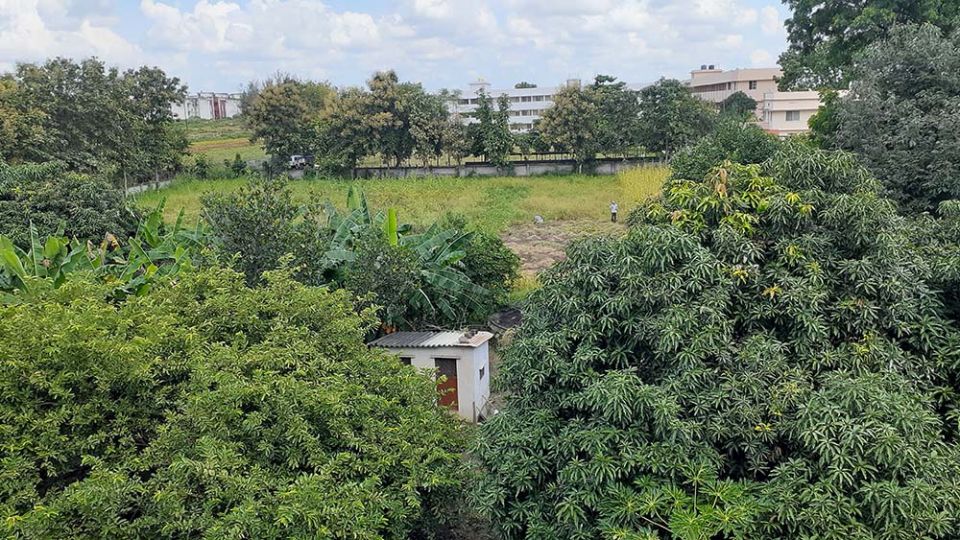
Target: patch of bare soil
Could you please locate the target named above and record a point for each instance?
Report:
(541, 245)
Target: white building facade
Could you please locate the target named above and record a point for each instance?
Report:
(526, 104)
(780, 113)
(208, 106)
(461, 358)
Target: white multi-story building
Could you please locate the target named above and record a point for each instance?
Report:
(207, 105)
(526, 104)
(780, 113)
(713, 84)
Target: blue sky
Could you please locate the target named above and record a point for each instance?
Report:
(221, 44)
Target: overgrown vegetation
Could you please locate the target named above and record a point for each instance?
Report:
(51, 199)
(763, 356)
(209, 408)
(93, 118)
(421, 278)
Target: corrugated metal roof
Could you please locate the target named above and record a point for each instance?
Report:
(400, 340)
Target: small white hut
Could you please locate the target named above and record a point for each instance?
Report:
(462, 357)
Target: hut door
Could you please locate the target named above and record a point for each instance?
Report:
(447, 367)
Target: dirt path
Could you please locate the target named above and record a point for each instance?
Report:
(539, 246)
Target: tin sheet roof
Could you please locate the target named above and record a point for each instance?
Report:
(399, 340)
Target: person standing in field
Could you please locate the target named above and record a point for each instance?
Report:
(613, 211)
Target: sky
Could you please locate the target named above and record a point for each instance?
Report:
(219, 45)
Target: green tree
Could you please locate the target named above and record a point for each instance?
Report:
(345, 134)
(207, 408)
(825, 123)
(731, 140)
(389, 115)
(671, 117)
(21, 123)
(97, 119)
(902, 115)
(618, 114)
(825, 36)
(524, 84)
(572, 124)
(283, 117)
(53, 199)
(456, 139)
(739, 105)
(429, 125)
(761, 356)
(260, 224)
(493, 139)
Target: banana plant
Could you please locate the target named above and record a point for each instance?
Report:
(155, 250)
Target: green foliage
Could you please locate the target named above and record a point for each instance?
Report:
(902, 115)
(417, 277)
(740, 106)
(21, 122)
(825, 123)
(733, 140)
(132, 267)
(201, 167)
(826, 36)
(238, 166)
(98, 119)
(209, 409)
(618, 107)
(488, 263)
(671, 117)
(260, 224)
(572, 124)
(283, 116)
(762, 356)
(493, 139)
(53, 200)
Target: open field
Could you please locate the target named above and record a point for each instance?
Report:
(221, 139)
(493, 203)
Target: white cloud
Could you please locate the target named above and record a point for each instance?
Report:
(221, 43)
(33, 30)
(770, 23)
(761, 58)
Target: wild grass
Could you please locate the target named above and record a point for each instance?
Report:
(493, 203)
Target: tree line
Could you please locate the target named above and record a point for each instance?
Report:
(402, 123)
(92, 118)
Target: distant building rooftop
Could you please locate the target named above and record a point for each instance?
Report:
(399, 340)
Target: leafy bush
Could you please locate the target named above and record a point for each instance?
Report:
(733, 140)
(54, 200)
(902, 115)
(209, 409)
(488, 262)
(261, 223)
(761, 356)
(130, 266)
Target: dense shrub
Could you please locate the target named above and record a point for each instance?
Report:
(762, 356)
(50, 198)
(488, 262)
(209, 409)
(902, 115)
(261, 223)
(733, 140)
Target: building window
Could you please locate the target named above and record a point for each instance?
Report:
(793, 116)
(482, 371)
(526, 99)
(538, 98)
(753, 85)
(406, 360)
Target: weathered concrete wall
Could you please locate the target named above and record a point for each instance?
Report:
(529, 168)
(133, 190)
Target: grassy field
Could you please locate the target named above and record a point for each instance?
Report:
(493, 203)
(221, 139)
